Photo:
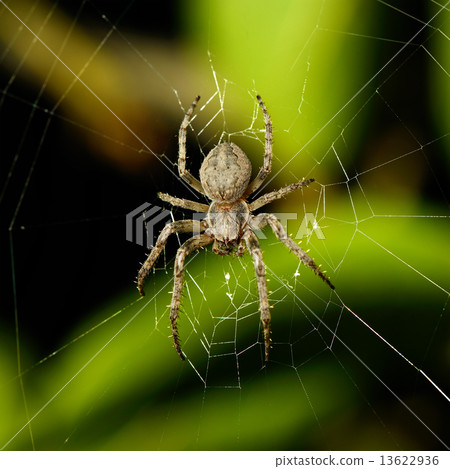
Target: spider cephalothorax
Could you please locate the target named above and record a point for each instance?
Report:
(225, 180)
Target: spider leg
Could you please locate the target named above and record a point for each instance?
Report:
(184, 173)
(278, 194)
(187, 248)
(267, 165)
(240, 249)
(180, 226)
(184, 203)
(263, 219)
(260, 271)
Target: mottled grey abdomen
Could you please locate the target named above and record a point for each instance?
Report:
(225, 172)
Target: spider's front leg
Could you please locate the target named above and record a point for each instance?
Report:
(187, 248)
(267, 165)
(260, 271)
(180, 226)
(183, 172)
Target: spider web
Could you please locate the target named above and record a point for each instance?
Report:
(92, 97)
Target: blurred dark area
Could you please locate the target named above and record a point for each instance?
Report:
(67, 207)
(160, 20)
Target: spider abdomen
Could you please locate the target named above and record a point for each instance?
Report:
(225, 172)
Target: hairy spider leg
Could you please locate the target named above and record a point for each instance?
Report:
(186, 248)
(260, 272)
(263, 219)
(180, 226)
(183, 203)
(184, 173)
(267, 165)
(278, 194)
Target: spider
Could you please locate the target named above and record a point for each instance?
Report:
(225, 179)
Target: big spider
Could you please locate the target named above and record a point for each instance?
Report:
(225, 180)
